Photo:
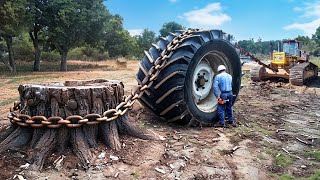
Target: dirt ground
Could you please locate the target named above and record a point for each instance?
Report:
(277, 138)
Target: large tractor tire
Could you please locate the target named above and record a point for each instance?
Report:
(183, 91)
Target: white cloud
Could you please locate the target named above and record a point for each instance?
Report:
(210, 16)
(173, 1)
(311, 15)
(308, 28)
(134, 32)
(312, 9)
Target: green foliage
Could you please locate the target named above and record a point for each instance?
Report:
(145, 40)
(36, 23)
(72, 23)
(12, 20)
(117, 40)
(52, 56)
(12, 13)
(87, 53)
(309, 45)
(283, 160)
(313, 154)
(3, 48)
(23, 48)
(170, 27)
(286, 177)
(76, 53)
(259, 47)
(316, 36)
(315, 176)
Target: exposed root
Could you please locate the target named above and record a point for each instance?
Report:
(91, 135)
(109, 135)
(62, 139)
(44, 147)
(80, 147)
(125, 127)
(7, 131)
(37, 134)
(45, 141)
(19, 137)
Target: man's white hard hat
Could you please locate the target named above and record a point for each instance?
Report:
(221, 68)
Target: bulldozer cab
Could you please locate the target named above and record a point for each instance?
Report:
(289, 52)
(291, 48)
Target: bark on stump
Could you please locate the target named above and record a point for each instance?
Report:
(63, 100)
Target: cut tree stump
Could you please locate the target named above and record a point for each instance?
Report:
(72, 100)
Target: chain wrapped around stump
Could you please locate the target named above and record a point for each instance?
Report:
(76, 113)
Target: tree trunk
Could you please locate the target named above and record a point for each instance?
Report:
(12, 62)
(86, 99)
(37, 53)
(6, 64)
(64, 53)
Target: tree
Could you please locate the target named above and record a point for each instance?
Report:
(248, 45)
(71, 23)
(117, 40)
(316, 36)
(310, 44)
(303, 39)
(12, 14)
(170, 27)
(145, 39)
(3, 52)
(36, 24)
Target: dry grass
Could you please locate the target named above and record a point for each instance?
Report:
(121, 63)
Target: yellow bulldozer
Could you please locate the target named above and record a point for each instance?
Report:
(290, 63)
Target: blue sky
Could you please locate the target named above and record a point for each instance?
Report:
(268, 19)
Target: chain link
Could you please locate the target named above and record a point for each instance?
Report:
(75, 121)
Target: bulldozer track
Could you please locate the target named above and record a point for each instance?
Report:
(298, 73)
(75, 121)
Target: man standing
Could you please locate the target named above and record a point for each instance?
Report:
(223, 82)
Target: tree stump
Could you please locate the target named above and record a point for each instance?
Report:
(54, 117)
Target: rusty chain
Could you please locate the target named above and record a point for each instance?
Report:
(75, 121)
(246, 53)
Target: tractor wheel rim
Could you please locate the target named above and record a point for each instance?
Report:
(202, 74)
(203, 96)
